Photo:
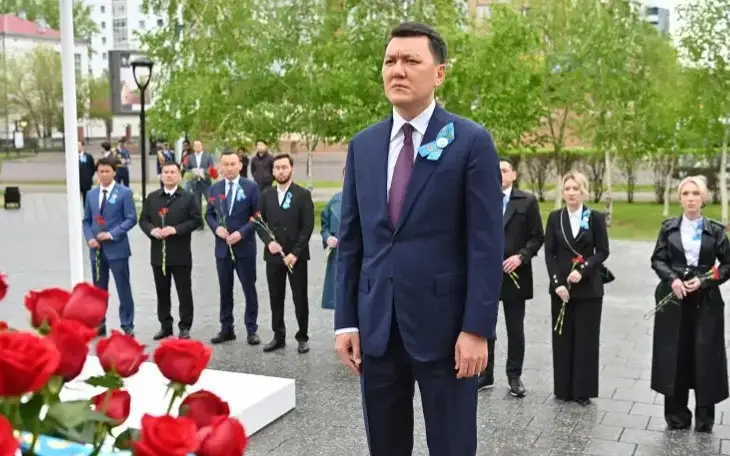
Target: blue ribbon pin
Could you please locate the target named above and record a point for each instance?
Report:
(432, 151)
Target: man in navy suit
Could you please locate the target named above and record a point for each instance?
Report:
(109, 214)
(419, 265)
(231, 203)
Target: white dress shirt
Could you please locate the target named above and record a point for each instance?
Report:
(198, 159)
(108, 192)
(575, 218)
(419, 124)
(170, 192)
(691, 241)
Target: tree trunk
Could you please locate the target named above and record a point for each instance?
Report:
(609, 187)
(311, 145)
(667, 187)
(723, 174)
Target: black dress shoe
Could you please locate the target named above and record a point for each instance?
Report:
(275, 344)
(223, 336)
(162, 333)
(184, 334)
(485, 381)
(101, 332)
(303, 347)
(516, 388)
(253, 339)
(129, 332)
(583, 401)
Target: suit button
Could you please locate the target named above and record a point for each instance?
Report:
(390, 280)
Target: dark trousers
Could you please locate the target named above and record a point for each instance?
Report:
(276, 274)
(122, 176)
(575, 351)
(183, 286)
(514, 320)
(676, 411)
(120, 270)
(449, 404)
(83, 199)
(246, 271)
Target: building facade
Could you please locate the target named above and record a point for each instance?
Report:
(120, 22)
(658, 17)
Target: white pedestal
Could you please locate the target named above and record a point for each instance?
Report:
(256, 400)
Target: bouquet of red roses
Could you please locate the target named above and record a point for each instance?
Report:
(712, 274)
(36, 365)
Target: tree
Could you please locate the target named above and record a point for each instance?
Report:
(100, 102)
(34, 86)
(705, 40)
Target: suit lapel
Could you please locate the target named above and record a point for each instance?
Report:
(422, 168)
(581, 230)
(675, 237)
(565, 226)
(707, 246)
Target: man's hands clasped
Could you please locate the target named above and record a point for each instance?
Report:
(164, 232)
(231, 238)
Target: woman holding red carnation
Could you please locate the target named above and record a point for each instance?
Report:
(576, 245)
(689, 334)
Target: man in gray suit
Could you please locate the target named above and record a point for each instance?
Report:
(198, 165)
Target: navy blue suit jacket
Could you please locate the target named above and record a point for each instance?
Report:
(440, 267)
(120, 216)
(245, 204)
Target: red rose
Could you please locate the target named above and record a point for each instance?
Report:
(3, 326)
(8, 443)
(120, 353)
(113, 403)
(182, 360)
(27, 362)
(46, 305)
(71, 338)
(202, 406)
(87, 305)
(224, 437)
(213, 173)
(3, 286)
(166, 436)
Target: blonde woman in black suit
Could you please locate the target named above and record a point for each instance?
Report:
(576, 245)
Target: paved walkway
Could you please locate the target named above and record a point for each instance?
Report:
(624, 421)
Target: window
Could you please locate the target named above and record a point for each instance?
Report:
(103, 40)
(141, 25)
(103, 9)
(121, 35)
(77, 65)
(483, 12)
(160, 22)
(103, 25)
(103, 55)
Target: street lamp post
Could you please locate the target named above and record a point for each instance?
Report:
(142, 72)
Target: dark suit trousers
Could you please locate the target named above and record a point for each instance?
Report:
(183, 286)
(246, 271)
(276, 274)
(676, 411)
(83, 199)
(122, 176)
(449, 404)
(120, 270)
(575, 351)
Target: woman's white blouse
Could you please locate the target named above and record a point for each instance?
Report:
(691, 231)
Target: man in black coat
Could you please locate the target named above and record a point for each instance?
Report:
(288, 211)
(87, 169)
(169, 215)
(262, 166)
(523, 238)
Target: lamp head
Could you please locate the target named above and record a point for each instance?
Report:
(142, 72)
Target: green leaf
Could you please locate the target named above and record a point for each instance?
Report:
(105, 381)
(70, 414)
(125, 439)
(30, 410)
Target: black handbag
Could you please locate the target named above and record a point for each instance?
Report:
(606, 274)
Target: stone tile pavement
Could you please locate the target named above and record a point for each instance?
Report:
(624, 421)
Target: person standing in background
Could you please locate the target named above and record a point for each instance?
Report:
(125, 160)
(164, 155)
(330, 222)
(243, 155)
(198, 163)
(262, 166)
(523, 238)
(87, 169)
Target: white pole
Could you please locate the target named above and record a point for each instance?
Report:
(73, 190)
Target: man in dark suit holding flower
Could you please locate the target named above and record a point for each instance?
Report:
(168, 217)
(109, 214)
(231, 203)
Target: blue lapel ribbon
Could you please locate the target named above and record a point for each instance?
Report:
(432, 151)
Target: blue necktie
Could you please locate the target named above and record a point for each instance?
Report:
(505, 200)
(229, 196)
(103, 202)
